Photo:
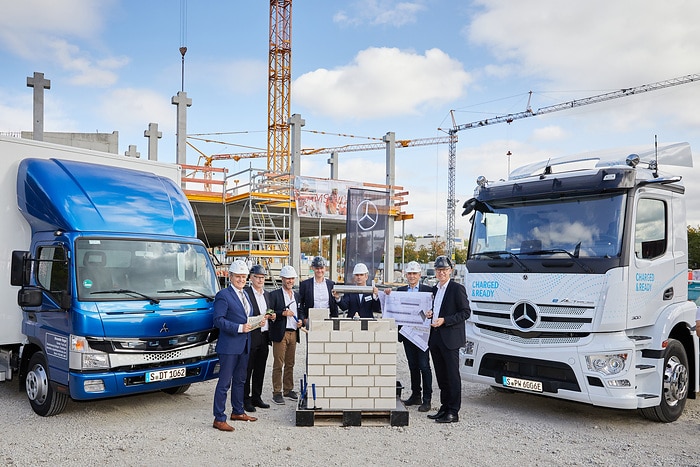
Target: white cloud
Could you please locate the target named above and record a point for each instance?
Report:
(241, 77)
(129, 109)
(379, 12)
(548, 133)
(383, 82)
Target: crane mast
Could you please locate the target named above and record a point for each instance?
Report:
(279, 86)
(509, 118)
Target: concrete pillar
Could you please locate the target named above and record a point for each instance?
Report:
(153, 136)
(295, 124)
(333, 260)
(390, 140)
(182, 102)
(132, 152)
(39, 84)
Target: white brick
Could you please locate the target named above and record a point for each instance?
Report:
(385, 403)
(335, 392)
(374, 370)
(322, 403)
(341, 336)
(340, 403)
(319, 381)
(335, 370)
(387, 393)
(386, 336)
(341, 359)
(318, 314)
(318, 359)
(353, 326)
(315, 347)
(363, 381)
(321, 325)
(385, 359)
(319, 336)
(363, 403)
(344, 381)
(363, 336)
(319, 392)
(385, 381)
(358, 393)
(373, 392)
(387, 347)
(313, 370)
(357, 347)
(375, 347)
(380, 325)
(387, 370)
(357, 370)
(335, 347)
(363, 359)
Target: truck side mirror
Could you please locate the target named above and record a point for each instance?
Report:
(20, 269)
(29, 297)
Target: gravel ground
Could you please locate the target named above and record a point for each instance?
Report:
(494, 428)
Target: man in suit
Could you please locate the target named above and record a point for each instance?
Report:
(284, 333)
(259, 341)
(447, 335)
(358, 305)
(317, 291)
(231, 311)
(418, 360)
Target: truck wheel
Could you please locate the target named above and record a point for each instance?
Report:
(674, 385)
(177, 389)
(45, 401)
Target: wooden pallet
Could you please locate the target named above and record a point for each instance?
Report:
(353, 417)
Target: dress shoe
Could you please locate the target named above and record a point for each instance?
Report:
(248, 407)
(291, 395)
(440, 413)
(243, 417)
(413, 400)
(448, 418)
(424, 407)
(261, 404)
(223, 426)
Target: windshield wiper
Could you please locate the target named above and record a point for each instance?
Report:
(196, 292)
(561, 250)
(154, 301)
(498, 254)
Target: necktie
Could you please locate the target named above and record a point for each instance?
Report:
(246, 307)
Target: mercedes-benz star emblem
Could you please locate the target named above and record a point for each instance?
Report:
(164, 328)
(524, 315)
(367, 215)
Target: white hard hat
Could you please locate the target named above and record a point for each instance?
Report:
(412, 266)
(360, 268)
(288, 272)
(238, 267)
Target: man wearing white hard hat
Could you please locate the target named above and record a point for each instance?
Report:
(231, 310)
(284, 333)
(360, 305)
(418, 360)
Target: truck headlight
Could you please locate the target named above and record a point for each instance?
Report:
(607, 364)
(83, 357)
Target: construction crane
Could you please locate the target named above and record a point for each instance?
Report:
(452, 132)
(279, 86)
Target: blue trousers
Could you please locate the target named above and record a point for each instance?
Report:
(232, 373)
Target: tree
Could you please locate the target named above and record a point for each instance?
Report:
(694, 247)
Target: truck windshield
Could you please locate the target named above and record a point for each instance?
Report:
(108, 269)
(567, 227)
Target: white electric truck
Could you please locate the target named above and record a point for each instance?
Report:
(577, 281)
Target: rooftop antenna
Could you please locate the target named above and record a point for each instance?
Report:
(183, 39)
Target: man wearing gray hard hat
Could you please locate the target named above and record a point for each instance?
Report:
(317, 291)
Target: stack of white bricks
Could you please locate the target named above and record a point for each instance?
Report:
(352, 368)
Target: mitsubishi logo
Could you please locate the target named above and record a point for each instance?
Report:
(367, 215)
(524, 315)
(164, 328)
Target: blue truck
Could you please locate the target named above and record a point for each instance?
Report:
(114, 291)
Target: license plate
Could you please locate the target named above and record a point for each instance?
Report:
(524, 384)
(164, 375)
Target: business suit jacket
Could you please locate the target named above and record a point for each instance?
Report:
(278, 303)
(365, 308)
(421, 288)
(455, 310)
(228, 315)
(256, 336)
(306, 292)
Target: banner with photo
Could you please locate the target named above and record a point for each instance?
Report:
(365, 228)
(316, 197)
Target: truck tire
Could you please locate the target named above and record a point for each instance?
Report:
(45, 401)
(674, 385)
(177, 389)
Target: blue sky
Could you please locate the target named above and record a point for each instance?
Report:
(364, 68)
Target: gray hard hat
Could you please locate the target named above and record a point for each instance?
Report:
(443, 262)
(258, 269)
(318, 262)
